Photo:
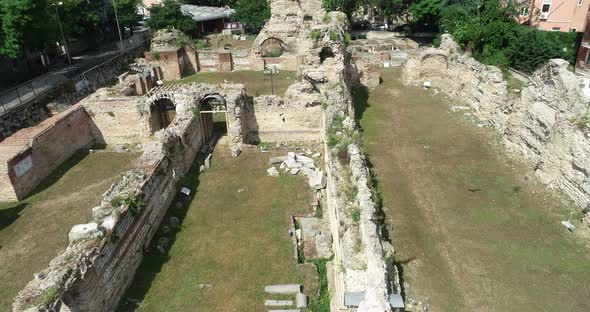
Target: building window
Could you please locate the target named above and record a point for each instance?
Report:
(524, 11)
(555, 29)
(573, 30)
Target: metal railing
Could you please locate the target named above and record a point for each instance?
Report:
(39, 86)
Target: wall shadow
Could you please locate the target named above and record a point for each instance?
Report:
(9, 215)
(360, 100)
(59, 172)
(154, 260)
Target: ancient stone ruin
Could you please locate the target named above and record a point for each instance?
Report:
(542, 124)
(172, 123)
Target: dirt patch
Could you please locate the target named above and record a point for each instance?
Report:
(473, 229)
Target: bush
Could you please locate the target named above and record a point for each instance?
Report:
(347, 38)
(315, 35)
(334, 35)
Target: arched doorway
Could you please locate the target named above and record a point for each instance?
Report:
(272, 47)
(213, 116)
(162, 113)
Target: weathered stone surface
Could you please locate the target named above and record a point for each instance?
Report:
(84, 231)
(540, 124)
(273, 172)
(283, 289)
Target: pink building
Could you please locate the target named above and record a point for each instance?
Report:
(149, 3)
(555, 15)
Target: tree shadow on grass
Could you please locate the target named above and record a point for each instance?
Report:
(153, 260)
(11, 214)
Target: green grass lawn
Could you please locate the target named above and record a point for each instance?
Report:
(499, 247)
(256, 82)
(35, 230)
(233, 237)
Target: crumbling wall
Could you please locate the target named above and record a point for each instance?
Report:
(100, 261)
(30, 155)
(460, 76)
(288, 31)
(274, 119)
(545, 124)
(116, 119)
(359, 248)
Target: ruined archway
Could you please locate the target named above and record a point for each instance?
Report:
(272, 47)
(162, 113)
(325, 54)
(213, 116)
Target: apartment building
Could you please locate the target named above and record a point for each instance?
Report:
(555, 15)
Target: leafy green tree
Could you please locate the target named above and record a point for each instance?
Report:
(81, 19)
(346, 6)
(168, 15)
(425, 11)
(127, 12)
(253, 14)
(23, 26)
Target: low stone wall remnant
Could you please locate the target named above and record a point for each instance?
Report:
(545, 123)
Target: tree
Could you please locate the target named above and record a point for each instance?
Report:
(22, 26)
(346, 6)
(253, 14)
(127, 12)
(169, 15)
(425, 11)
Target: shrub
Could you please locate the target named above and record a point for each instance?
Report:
(315, 35)
(334, 35)
(325, 18)
(356, 215)
(347, 38)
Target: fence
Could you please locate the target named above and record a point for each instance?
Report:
(44, 84)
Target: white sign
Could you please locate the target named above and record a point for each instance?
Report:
(23, 166)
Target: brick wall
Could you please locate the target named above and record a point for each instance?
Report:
(42, 148)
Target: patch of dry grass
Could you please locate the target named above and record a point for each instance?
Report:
(35, 230)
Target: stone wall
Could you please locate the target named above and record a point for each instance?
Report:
(359, 248)
(102, 256)
(274, 119)
(544, 124)
(116, 119)
(30, 155)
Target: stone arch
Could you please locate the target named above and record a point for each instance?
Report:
(213, 102)
(211, 106)
(435, 60)
(272, 47)
(162, 113)
(326, 53)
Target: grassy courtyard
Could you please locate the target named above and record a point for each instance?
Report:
(256, 82)
(35, 230)
(232, 241)
(473, 229)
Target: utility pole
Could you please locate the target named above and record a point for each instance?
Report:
(118, 27)
(62, 32)
(271, 71)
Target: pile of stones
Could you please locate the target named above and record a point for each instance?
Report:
(299, 163)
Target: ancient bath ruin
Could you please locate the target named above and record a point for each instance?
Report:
(310, 132)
